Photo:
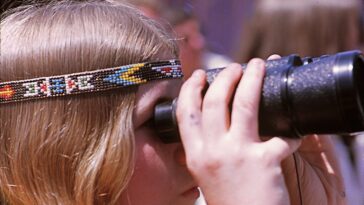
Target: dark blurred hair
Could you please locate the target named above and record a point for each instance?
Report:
(177, 14)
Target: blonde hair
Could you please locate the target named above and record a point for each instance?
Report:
(79, 149)
(309, 27)
(155, 5)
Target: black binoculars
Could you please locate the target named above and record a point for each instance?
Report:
(300, 96)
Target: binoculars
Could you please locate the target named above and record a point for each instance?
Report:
(300, 96)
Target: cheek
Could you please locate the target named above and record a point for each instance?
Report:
(150, 167)
(152, 181)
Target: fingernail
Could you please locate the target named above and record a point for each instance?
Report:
(258, 62)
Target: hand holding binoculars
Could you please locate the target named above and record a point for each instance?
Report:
(300, 96)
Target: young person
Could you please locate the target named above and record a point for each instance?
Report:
(194, 51)
(73, 131)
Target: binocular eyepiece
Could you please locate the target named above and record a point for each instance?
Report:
(300, 96)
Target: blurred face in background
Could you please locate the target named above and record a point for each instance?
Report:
(191, 44)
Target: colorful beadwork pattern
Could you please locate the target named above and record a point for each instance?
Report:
(91, 81)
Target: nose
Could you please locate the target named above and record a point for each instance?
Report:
(180, 156)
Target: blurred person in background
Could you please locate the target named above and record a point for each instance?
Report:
(222, 21)
(311, 28)
(194, 52)
(179, 19)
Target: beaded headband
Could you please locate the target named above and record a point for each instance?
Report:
(90, 81)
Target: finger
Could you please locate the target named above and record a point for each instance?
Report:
(216, 102)
(274, 57)
(282, 147)
(246, 102)
(188, 110)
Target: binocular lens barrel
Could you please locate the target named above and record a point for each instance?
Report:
(300, 96)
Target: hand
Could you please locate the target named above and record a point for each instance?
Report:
(223, 151)
(319, 179)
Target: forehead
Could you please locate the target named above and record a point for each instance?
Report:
(150, 94)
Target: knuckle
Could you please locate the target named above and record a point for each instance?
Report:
(212, 164)
(245, 107)
(208, 165)
(214, 102)
(263, 156)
